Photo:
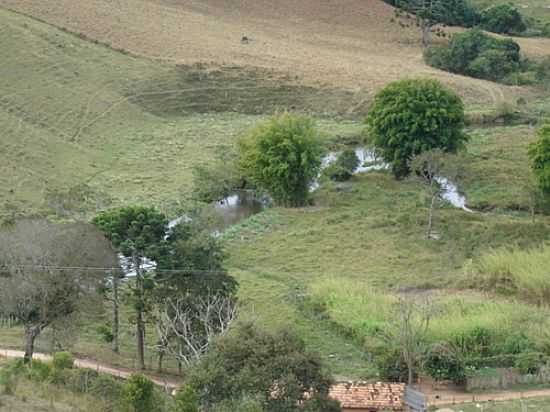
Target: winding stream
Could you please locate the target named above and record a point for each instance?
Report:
(240, 206)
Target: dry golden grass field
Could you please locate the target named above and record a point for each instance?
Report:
(350, 44)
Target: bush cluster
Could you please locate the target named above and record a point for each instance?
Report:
(502, 18)
(452, 13)
(136, 395)
(476, 54)
(479, 348)
(245, 365)
(539, 156)
(344, 166)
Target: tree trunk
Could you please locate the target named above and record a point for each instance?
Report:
(430, 217)
(426, 33)
(116, 326)
(140, 324)
(410, 379)
(31, 332)
(161, 358)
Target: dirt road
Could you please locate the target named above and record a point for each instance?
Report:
(90, 364)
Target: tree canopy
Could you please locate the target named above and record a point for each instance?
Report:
(283, 157)
(191, 260)
(137, 232)
(272, 367)
(412, 116)
(539, 155)
(45, 272)
(134, 230)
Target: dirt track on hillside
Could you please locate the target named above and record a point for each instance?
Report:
(121, 373)
(350, 44)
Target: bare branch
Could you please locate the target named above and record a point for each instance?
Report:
(187, 326)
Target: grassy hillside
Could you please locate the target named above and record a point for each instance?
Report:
(353, 46)
(318, 264)
(73, 113)
(119, 129)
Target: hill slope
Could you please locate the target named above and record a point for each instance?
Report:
(351, 44)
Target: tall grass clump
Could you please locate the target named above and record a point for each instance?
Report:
(354, 304)
(515, 272)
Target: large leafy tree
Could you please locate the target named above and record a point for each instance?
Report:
(409, 117)
(272, 367)
(539, 155)
(45, 274)
(282, 156)
(137, 233)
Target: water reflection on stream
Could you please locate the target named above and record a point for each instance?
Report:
(240, 206)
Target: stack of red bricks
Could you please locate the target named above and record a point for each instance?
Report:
(370, 396)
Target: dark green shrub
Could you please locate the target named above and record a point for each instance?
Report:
(245, 404)
(450, 12)
(391, 366)
(474, 53)
(517, 343)
(186, 400)
(105, 332)
(59, 376)
(502, 18)
(105, 387)
(249, 362)
(63, 360)
(344, 166)
(409, 117)
(39, 371)
(492, 65)
(138, 394)
(438, 57)
(282, 156)
(321, 404)
(539, 156)
(529, 362)
(444, 363)
(9, 375)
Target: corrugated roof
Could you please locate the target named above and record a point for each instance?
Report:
(375, 396)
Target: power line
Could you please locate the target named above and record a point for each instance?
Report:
(109, 269)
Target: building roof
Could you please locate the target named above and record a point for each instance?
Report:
(371, 396)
